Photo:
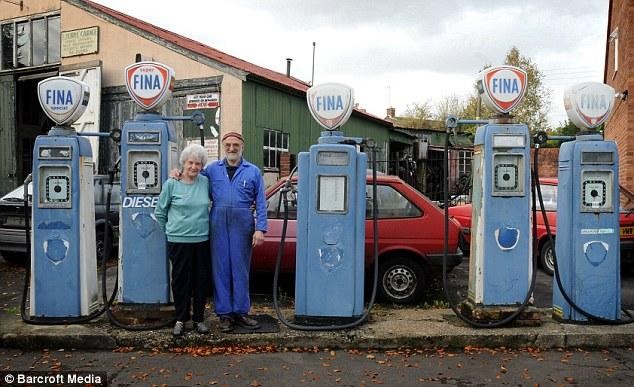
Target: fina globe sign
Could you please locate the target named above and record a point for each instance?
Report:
(63, 99)
(502, 87)
(149, 84)
(589, 104)
(330, 104)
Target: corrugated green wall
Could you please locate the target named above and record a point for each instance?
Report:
(266, 107)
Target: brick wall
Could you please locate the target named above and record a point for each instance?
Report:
(548, 161)
(620, 127)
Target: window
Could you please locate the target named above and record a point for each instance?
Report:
(275, 142)
(549, 197)
(391, 203)
(31, 42)
(464, 163)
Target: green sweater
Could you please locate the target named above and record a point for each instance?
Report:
(183, 210)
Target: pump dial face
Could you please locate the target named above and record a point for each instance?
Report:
(57, 189)
(146, 174)
(506, 177)
(594, 193)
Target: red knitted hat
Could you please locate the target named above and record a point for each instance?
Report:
(232, 134)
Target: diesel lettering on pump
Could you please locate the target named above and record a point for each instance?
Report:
(140, 201)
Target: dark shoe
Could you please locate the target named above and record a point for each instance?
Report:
(178, 329)
(201, 327)
(226, 324)
(247, 323)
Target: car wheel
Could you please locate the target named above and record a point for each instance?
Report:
(100, 247)
(14, 257)
(401, 280)
(547, 258)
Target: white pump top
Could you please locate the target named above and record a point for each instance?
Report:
(589, 104)
(330, 104)
(150, 84)
(63, 99)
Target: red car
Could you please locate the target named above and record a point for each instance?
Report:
(410, 229)
(544, 251)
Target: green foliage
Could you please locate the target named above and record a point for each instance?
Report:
(533, 108)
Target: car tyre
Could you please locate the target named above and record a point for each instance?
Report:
(402, 280)
(14, 257)
(99, 244)
(547, 258)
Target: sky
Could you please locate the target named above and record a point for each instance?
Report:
(399, 52)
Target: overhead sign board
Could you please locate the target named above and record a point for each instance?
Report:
(589, 104)
(330, 104)
(150, 84)
(63, 99)
(502, 87)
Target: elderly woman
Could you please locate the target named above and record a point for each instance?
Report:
(183, 212)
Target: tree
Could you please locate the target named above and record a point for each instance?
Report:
(422, 111)
(449, 105)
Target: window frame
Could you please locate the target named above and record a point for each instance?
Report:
(46, 43)
(273, 152)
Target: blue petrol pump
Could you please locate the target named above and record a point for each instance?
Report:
(148, 153)
(588, 258)
(329, 284)
(500, 266)
(63, 256)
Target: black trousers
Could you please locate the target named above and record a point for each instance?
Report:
(191, 278)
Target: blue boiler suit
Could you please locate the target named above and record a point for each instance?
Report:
(232, 225)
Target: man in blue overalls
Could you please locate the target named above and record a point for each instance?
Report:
(236, 186)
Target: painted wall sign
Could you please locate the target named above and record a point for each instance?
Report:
(589, 104)
(63, 99)
(502, 87)
(330, 104)
(150, 84)
(79, 42)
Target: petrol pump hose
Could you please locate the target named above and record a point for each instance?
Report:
(107, 251)
(540, 138)
(287, 187)
(27, 278)
(477, 324)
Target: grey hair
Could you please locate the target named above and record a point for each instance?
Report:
(194, 152)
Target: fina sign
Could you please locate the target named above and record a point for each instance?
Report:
(503, 87)
(63, 99)
(589, 104)
(149, 84)
(330, 104)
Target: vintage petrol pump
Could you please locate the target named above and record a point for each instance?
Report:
(63, 256)
(148, 153)
(331, 215)
(588, 257)
(500, 267)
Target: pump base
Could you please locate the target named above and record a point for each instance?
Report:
(321, 321)
(530, 316)
(135, 314)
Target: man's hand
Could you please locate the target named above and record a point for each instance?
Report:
(258, 238)
(175, 174)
